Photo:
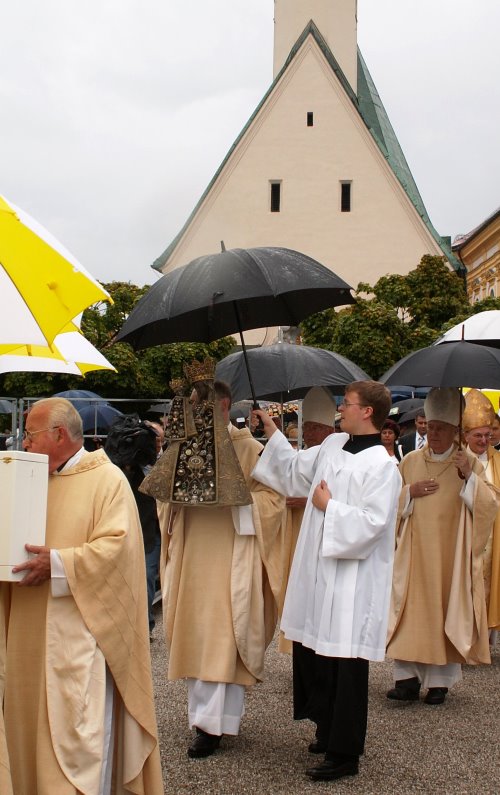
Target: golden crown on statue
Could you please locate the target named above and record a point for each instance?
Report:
(177, 385)
(200, 371)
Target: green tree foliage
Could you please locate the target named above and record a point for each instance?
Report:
(142, 374)
(436, 294)
(397, 315)
(319, 330)
(472, 309)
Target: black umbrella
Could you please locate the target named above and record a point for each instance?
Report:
(239, 289)
(408, 416)
(285, 372)
(98, 417)
(454, 364)
(80, 396)
(408, 404)
(6, 407)
(160, 408)
(221, 294)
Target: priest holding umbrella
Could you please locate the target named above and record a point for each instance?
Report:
(336, 606)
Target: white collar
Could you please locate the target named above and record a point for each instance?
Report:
(71, 462)
(440, 456)
(483, 457)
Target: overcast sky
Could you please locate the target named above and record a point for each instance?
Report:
(115, 114)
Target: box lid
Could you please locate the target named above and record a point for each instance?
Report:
(6, 456)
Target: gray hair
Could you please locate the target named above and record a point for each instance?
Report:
(60, 412)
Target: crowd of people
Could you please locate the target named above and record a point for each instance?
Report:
(364, 543)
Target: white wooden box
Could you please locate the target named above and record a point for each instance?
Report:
(24, 480)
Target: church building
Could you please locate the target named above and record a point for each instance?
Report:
(318, 167)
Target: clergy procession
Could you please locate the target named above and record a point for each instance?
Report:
(353, 556)
(265, 558)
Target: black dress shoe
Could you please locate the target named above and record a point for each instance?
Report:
(331, 770)
(317, 747)
(204, 744)
(436, 695)
(405, 690)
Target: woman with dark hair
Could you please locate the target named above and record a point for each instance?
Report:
(389, 436)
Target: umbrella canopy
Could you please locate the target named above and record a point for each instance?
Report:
(70, 353)
(236, 290)
(98, 417)
(408, 416)
(6, 407)
(409, 404)
(482, 329)
(42, 286)
(160, 408)
(81, 397)
(284, 372)
(454, 364)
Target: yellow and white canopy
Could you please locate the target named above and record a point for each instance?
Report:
(42, 286)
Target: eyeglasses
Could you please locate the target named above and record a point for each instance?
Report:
(28, 435)
(347, 404)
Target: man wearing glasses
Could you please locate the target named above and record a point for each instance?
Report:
(74, 652)
(337, 602)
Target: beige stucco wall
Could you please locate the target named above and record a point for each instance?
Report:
(383, 233)
(336, 19)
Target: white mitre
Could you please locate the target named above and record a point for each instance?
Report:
(443, 404)
(319, 406)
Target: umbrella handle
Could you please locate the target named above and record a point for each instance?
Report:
(260, 426)
(245, 357)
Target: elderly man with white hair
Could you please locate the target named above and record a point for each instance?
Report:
(75, 670)
(438, 611)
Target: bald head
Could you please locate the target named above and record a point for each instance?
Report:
(54, 428)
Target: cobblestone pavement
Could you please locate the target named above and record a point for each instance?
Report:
(452, 749)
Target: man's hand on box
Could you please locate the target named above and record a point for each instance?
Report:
(37, 568)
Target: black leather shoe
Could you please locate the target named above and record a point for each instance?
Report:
(317, 747)
(405, 690)
(436, 695)
(204, 744)
(329, 770)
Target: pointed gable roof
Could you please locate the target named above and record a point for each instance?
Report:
(370, 108)
(376, 119)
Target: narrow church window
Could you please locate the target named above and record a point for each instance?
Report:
(275, 197)
(345, 197)
(310, 119)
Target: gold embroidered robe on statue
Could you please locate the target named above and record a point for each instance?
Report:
(438, 608)
(220, 588)
(52, 666)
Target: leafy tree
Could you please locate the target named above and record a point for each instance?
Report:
(395, 316)
(372, 335)
(393, 290)
(436, 293)
(319, 329)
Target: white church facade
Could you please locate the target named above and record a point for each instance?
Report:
(318, 167)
